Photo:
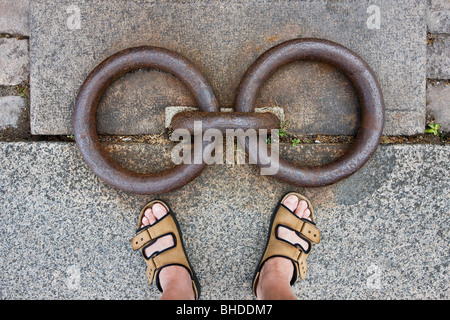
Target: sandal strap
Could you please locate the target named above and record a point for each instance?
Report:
(150, 272)
(303, 227)
(174, 255)
(277, 247)
(302, 266)
(282, 248)
(149, 233)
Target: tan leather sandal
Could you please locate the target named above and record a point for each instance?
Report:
(174, 255)
(277, 247)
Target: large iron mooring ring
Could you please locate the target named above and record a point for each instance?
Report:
(362, 77)
(89, 96)
(370, 98)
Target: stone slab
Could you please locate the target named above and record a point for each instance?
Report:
(11, 109)
(14, 118)
(438, 57)
(66, 235)
(14, 61)
(438, 104)
(438, 16)
(14, 17)
(223, 38)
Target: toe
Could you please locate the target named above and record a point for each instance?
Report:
(145, 222)
(159, 210)
(291, 202)
(150, 215)
(148, 218)
(307, 214)
(301, 208)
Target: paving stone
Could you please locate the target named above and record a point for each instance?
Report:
(14, 118)
(11, 109)
(223, 38)
(438, 104)
(66, 235)
(14, 61)
(438, 56)
(438, 16)
(14, 17)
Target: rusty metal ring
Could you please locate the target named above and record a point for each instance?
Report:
(367, 87)
(89, 96)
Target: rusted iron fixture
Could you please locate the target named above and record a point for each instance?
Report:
(366, 142)
(225, 120)
(370, 98)
(89, 96)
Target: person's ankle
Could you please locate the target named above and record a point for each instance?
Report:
(275, 272)
(176, 284)
(278, 267)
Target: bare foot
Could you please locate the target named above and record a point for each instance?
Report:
(174, 280)
(277, 272)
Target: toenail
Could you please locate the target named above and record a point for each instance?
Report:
(291, 198)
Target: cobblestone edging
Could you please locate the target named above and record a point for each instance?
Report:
(438, 62)
(14, 70)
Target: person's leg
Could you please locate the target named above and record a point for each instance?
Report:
(175, 280)
(277, 272)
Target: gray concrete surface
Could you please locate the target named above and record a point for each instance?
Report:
(223, 38)
(66, 235)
